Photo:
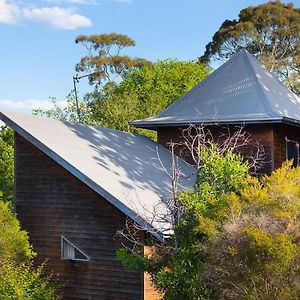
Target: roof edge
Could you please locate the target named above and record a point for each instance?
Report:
(78, 174)
(153, 125)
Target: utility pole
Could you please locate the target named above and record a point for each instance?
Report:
(76, 79)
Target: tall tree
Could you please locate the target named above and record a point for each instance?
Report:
(269, 31)
(104, 65)
(146, 92)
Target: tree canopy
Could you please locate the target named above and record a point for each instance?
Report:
(146, 92)
(104, 65)
(271, 32)
(141, 94)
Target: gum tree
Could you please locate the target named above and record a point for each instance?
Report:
(271, 32)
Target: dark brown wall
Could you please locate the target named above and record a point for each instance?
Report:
(258, 133)
(281, 132)
(51, 202)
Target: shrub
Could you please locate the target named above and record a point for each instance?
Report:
(23, 281)
(14, 244)
(256, 254)
(19, 279)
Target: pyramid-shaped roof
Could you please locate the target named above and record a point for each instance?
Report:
(240, 91)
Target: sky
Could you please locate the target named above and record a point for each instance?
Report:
(38, 51)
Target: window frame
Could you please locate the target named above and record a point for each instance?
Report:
(62, 239)
(286, 151)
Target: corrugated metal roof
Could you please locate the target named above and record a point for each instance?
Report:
(240, 91)
(124, 168)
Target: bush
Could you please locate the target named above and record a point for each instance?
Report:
(256, 254)
(19, 280)
(14, 244)
(23, 281)
(238, 236)
(176, 267)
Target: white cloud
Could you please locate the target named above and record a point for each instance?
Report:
(56, 17)
(9, 12)
(29, 104)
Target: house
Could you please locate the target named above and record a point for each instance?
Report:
(240, 92)
(76, 185)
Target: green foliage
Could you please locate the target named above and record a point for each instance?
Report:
(146, 92)
(223, 173)
(256, 254)
(14, 243)
(205, 208)
(23, 282)
(6, 164)
(271, 32)
(179, 263)
(103, 63)
(183, 279)
(142, 93)
(18, 278)
(238, 236)
(69, 112)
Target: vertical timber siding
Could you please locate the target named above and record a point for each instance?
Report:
(51, 202)
(263, 134)
(281, 132)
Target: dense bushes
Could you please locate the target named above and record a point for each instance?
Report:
(23, 281)
(238, 236)
(256, 254)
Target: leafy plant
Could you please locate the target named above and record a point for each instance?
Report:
(24, 282)
(19, 279)
(6, 164)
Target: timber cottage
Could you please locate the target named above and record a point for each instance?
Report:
(240, 92)
(75, 185)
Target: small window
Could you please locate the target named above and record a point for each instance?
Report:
(71, 252)
(292, 151)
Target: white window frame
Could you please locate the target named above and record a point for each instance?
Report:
(62, 239)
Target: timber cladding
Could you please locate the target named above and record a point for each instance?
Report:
(51, 202)
(281, 133)
(261, 133)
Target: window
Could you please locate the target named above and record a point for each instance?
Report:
(292, 151)
(71, 252)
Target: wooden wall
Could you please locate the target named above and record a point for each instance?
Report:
(281, 132)
(258, 133)
(51, 202)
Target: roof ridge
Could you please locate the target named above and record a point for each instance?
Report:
(250, 60)
(205, 81)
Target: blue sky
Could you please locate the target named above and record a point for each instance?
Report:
(38, 52)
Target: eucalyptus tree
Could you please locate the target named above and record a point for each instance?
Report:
(271, 32)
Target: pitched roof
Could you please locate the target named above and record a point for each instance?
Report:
(122, 167)
(240, 91)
